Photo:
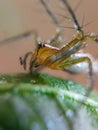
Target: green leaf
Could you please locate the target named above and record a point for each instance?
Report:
(43, 102)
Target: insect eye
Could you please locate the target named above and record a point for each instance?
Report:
(41, 45)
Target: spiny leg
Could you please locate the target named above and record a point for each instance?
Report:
(74, 18)
(76, 23)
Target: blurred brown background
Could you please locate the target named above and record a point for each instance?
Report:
(18, 16)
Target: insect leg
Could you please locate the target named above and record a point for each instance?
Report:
(92, 37)
(50, 13)
(23, 60)
(55, 21)
(74, 19)
(17, 37)
(90, 70)
(56, 38)
(63, 63)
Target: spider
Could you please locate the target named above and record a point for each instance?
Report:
(67, 58)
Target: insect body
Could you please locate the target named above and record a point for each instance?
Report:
(55, 58)
(62, 59)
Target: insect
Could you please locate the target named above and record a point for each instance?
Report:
(67, 58)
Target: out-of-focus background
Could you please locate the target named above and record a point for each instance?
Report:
(18, 16)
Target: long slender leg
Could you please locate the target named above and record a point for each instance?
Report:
(74, 19)
(66, 62)
(55, 38)
(55, 21)
(50, 13)
(17, 37)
